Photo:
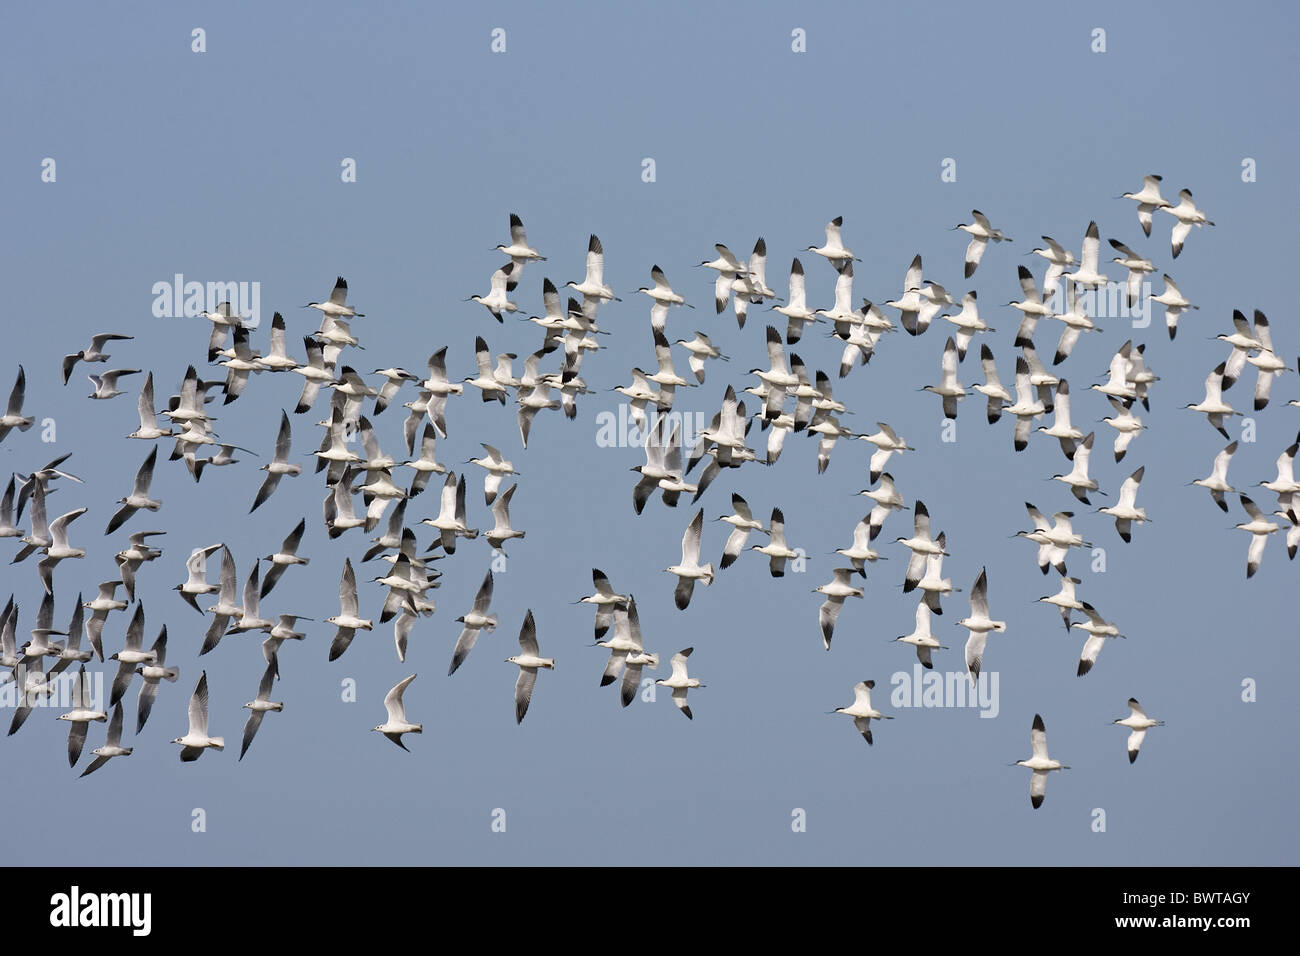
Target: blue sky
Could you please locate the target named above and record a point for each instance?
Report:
(225, 165)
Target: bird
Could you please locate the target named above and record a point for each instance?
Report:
(501, 531)
(258, 707)
(887, 499)
(628, 653)
(1149, 200)
(978, 623)
(529, 659)
(1126, 511)
(131, 655)
(932, 583)
(796, 308)
(1061, 429)
(225, 608)
(690, 570)
(1098, 630)
(519, 251)
(151, 673)
(593, 284)
(1266, 361)
(95, 353)
(948, 389)
(1138, 724)
(922, 638)
(1126, 425)
(1065, 599)
(1076, 320)
(1087, 275)
(834, 250)
(59, 549)
(1217, 482)
(133, 556)
(1175, 304)
(992, 389)
(497, 467)
(106, 384)
(982, 232)
(475, 620)
(497, 301)
(836, 590)
(250, 617)
(450, 521)
(80, 716)
(663, 296)
(742, 522)
(112, 744)
(921, 544)
(605, 601)
(776, 549)
(278, 467)
(347, 621)
(1187, 215)
(1260, 528)
(1054, 539)
(1032, 308)
(197, 739)
(13, 417)
(139, 497)
(700, 349)
(860, 552)
(1040, 763)
(285, 557)
(1137, 267)
(887, 442)
(1078, 479)
(861, 710)
(1058, 258)
(681, 682)
(336, 306)
(968, 323)
(396, 725)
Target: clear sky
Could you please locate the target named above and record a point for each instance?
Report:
(226, 165)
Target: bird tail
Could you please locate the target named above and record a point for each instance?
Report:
(218, 743)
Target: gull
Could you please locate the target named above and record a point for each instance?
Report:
(1077, 321)
(1026, 407)
(225, 608)
(486, 381)
(796, 308)
(627, 653)
(34, 686)
(1187, 215)
(887, 499)
(103, 603)
(968, 323)
(151, 673)
(1138, 723)
(1064, 432)
(7, 527)
(680, 681)
(315, 373)
(776, 549)
(501, 531)
(978, 624)
(932, 583)
(1266, 361)
(131, 654)
(71, 650)
(992, 389)
(39, 646)
(106, 384)
(241, 362)
(451, 515)
(82, 713)
(39, 535)
(920, 544)
(347, 621)
(1078, 480)
(133, 555)
(528, 660)
(335, 450)
(283, 631)
(1098, 630)
(605, 600)
(1243, 341)
(1149, 200)
(1217, 482)
(95, 353)
(1058, 258)
(497, 467)
(1175, 304)
(1065, 599)
(1117, 384)
(1087, 274)
(337, 305)
(910, 304)
(496, 301)
(1213, 405)
(982, 232)
(59, 548)
(1054, 539)
(593, 284)
(887, 441)
(701, 349)
(286, 556)
(475, 620)
(1032, 308)
(1137, 267)
(139, 497)
(197, 739)
(836, 590)
(742, 522)
(861, 710)
(251, 618)
(948, 389)
(278, 467)
(396, 725)
(922, 638)
(259, 707)
(427, 463)
(148, 429)
(834, 250)
(112, 744)
(1260, 528)
(1039, 763)
(519, 251)
(690, 570)
(1126, 425)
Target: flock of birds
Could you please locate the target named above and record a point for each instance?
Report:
(783, 399)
